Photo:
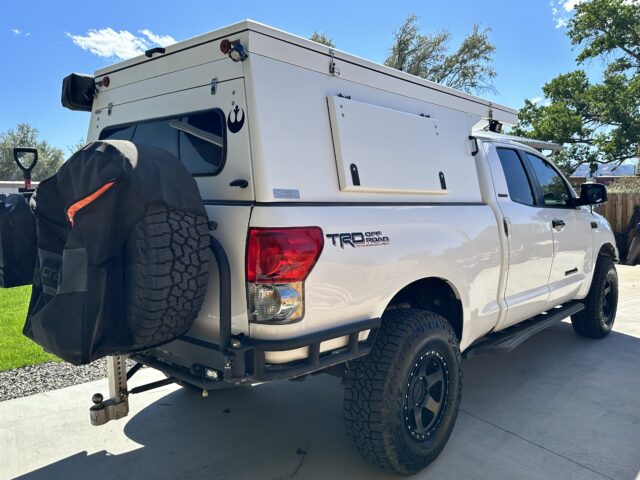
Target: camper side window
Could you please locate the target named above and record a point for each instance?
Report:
(197, 139)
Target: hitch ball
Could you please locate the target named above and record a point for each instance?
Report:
(97, 401)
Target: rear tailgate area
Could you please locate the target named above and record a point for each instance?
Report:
(192, 103)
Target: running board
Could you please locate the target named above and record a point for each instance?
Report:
(506, 340)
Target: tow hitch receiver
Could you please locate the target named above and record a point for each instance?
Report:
(117, 406)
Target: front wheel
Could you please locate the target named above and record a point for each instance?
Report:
(601, 304)
(402, 400)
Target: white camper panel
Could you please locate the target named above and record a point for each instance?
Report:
(385, 150)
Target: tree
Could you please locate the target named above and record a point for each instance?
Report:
(598, 122)
(80, 143)
(427, 55)
(23, 135)
(323, 38)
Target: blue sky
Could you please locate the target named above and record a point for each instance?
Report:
(41, 42)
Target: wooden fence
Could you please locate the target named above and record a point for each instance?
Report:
(619, 209)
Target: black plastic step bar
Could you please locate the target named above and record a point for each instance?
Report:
(506, 340)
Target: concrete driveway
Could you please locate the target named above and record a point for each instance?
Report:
(559, 407)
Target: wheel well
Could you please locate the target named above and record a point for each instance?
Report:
(433, 294)
(608, 250)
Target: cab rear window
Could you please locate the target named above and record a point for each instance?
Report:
(197, 139)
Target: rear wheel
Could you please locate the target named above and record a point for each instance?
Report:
(402, 400)
(601, 304)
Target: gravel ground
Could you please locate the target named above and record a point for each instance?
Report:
(49, 376)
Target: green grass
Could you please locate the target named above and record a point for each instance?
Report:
(16, 350)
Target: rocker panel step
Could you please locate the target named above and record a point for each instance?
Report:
(506, 340)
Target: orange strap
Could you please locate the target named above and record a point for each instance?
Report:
(80, 204)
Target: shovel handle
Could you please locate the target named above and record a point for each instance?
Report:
(26, 169)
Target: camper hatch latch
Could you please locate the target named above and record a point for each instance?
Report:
(214, 85)
(333, 70)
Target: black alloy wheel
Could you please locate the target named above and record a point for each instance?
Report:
(426, 395)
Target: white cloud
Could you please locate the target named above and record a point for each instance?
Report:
(19, 33)
(162, 40)
(561, 10)
(108, 43)
(569, 5)
(536, 99)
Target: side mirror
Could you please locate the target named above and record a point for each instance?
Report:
(592, 194)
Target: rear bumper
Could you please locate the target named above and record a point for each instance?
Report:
(190, 359)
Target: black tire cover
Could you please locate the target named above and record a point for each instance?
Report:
(80, 307)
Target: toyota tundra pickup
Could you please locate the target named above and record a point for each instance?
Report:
(360, 221)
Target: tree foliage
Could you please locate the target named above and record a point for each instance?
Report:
(23, 135)
(469, 68)
(80, 143)
(598, 122)
(323, 38)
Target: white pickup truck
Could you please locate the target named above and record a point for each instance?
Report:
(364, 224)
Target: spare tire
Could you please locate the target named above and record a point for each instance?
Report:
(166, 274)
(123, 253)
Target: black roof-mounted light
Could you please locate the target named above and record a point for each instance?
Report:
(495, 126)
(234, 49)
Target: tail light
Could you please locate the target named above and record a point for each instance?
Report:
(278, 262)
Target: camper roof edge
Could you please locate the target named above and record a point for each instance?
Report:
(487, 108)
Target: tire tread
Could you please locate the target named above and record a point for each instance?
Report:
(365, 405)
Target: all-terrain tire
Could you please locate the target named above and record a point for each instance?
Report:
(167, 269)
(379, 410)
(601, 304)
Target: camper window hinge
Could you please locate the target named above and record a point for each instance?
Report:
(333, 70)
(214, 85)
(347, 97)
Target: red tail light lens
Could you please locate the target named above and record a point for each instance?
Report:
(282, 255)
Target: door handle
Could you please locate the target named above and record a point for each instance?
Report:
(240, 182)
(558, 225)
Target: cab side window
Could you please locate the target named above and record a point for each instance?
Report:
(517, 180)
(555, 191)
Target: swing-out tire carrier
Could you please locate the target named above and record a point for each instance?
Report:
(243, 364)
(233, 361)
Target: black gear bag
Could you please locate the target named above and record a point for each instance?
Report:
(123, 253)
(17, 241)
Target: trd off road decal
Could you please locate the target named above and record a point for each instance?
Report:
(238, 120)
(358, 239)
